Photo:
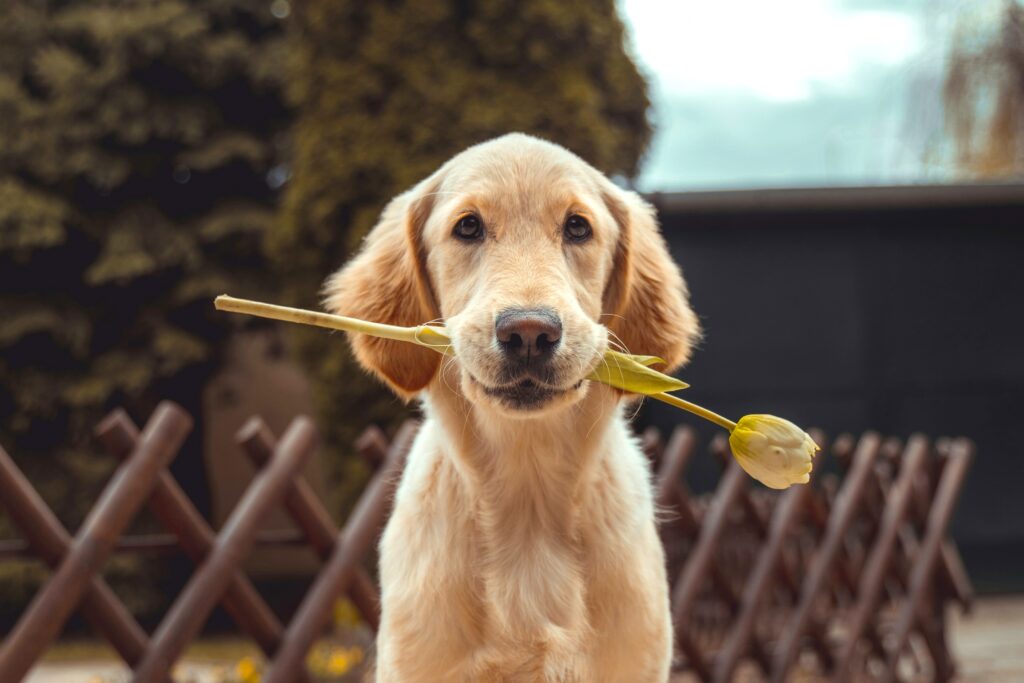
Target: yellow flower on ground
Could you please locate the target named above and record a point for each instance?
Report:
(327, 660)
(340, 662)
(246, 671)
(772, 450)
(346, 614)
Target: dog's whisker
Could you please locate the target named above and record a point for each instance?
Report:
(618, 340)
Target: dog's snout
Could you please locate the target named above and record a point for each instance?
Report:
(528, 334)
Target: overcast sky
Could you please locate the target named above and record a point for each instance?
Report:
(750, 93)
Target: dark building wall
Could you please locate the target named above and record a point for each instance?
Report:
(898, 309)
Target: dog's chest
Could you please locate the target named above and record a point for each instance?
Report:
(472, 572)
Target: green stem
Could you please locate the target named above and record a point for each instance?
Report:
(723, 422)
(424, 335)
(332, 322)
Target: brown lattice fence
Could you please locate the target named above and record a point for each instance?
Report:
(845, 579)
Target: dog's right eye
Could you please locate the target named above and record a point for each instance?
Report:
(469, 228)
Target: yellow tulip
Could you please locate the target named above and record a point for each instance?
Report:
(620, 370)
(774, 451)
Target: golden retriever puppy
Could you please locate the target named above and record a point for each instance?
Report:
(522, 546)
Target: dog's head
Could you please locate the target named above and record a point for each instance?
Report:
(534, 261)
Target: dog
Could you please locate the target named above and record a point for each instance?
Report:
(523, 543)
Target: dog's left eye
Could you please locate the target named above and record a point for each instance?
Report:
(577, 229)
(469, 228)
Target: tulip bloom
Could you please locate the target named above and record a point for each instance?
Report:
(770, 449)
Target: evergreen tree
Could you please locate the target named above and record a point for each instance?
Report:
(387, 91)
(136, 139)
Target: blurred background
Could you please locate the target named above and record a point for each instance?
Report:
(841, 180)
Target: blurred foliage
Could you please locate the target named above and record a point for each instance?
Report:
(136, 139)
(387, 91)
(142, 143)
(984, 94)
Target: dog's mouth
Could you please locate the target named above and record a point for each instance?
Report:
(526, 394)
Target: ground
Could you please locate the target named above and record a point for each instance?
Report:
(989, 645)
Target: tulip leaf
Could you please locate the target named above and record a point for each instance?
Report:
(620, 370)
(630, 373)
(648, 361)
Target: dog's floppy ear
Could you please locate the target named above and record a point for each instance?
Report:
(646, 295)
(387, 282)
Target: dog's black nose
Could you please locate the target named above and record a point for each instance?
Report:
(528, 334)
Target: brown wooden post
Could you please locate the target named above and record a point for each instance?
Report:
(876, 568)
(846, 579)
(755, 518)
(652, 446)
(360, 532)
(785, 516)
(816, 578)
(953, 575)
(699, 564)
(669, 490)
(118, 435)
(926, 563)
(186, 617)
(303, 506)
(49, 540)
(121, 499)
(372, 444)
(895, 578)
(956, 575)
(871, 510)
(769, 565)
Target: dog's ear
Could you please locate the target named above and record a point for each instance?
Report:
(646, 295)
(387, 282)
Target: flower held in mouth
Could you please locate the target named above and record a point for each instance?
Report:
(770, 449)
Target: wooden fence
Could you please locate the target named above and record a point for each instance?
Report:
(844, 579)
(846, 576)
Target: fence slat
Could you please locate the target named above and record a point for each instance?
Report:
(876, 568)
(118, 435)
(186, 617)
(698, 565)
(843, 513)
(121, 499)
(670, 493)
(359, 534)
(766, 567)
(302, 504)
(928, 555)
(50, 541)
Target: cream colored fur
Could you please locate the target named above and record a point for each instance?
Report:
(522, 546)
